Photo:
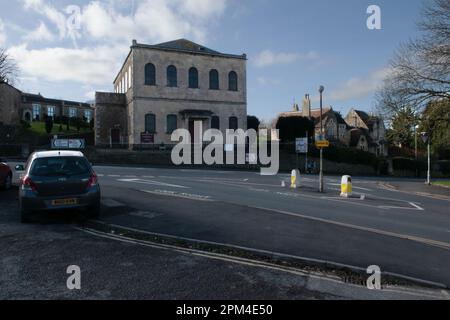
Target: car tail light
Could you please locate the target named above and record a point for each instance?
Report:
(28, 184)
(93, 180)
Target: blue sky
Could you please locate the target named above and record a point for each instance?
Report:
(292, 46)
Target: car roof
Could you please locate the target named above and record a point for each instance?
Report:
(57, 153)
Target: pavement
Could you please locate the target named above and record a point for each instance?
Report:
(403, 233)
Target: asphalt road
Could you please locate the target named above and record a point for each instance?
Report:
(402, 232)
(34, 259)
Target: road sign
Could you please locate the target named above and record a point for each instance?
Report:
(301, 145)
(147, 138)
(322, 144)
(68, 143)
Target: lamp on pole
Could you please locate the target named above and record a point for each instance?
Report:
(426, 139)
(321, 89)
(416, 127)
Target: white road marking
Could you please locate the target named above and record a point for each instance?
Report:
(354, 187)
(180, 195)
(416, 207)
(153, 182)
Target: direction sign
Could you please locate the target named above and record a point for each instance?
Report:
(322, 144)
(68, 143)
(301, 145)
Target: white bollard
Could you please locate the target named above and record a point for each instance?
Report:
(346, 186)
(295, 179)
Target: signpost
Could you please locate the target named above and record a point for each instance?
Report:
(68, 143)
(147, 138)
(322, 144)
(301, 145)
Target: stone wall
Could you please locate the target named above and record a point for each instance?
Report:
(9, 104)
(110, 113)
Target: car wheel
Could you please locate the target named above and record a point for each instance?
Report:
(8, 182)
(24, 216)
(94, 211)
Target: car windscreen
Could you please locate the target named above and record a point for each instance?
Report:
(60, 166)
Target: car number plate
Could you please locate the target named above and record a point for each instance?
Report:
(62, 202)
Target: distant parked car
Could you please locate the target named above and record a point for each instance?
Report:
(57, 180)
(5, 176)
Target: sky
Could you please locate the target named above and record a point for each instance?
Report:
(68, 49)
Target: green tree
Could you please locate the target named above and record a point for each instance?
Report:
(253, 123)
(401, 132)
(294, 127)
(48, 124)
(436, 121)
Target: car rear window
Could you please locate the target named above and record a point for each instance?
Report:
(56, 166)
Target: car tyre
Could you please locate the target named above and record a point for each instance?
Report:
(8, 182)
(94, 211)
(24, 216)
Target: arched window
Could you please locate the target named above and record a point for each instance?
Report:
(171, 76)
(214, 79)
(171, 123)
(215, 122)
(232, 81)
(233, 125)
(193, 78)
(150, 123)
(150, 74)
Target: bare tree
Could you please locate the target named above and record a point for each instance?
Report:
(8, 68)
(420, 69)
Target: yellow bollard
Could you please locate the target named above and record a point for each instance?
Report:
(346, 186)
(295, 179)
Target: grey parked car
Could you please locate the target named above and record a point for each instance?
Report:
(55, 180)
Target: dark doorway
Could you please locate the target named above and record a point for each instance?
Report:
(115, 136)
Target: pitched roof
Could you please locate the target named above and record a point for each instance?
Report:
(316, 112)
(355, 135)
(184, 45)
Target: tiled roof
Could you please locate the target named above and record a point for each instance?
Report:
(30, 97)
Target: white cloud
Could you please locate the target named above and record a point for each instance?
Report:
(357, 87)
(41, 33)
(94, 66)
(105, 34)
(154, 20)
(58, 18)
(268, 58)
(267, 82)
(2, 33)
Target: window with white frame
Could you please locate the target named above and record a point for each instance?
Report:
(129, 77)
(88, 115)
(72, 112)
(36, 111)
(51, 111)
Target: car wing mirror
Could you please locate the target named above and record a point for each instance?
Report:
(20, 167)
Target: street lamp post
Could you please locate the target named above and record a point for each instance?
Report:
(427, 139)
(415, 149)
(321, 89)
